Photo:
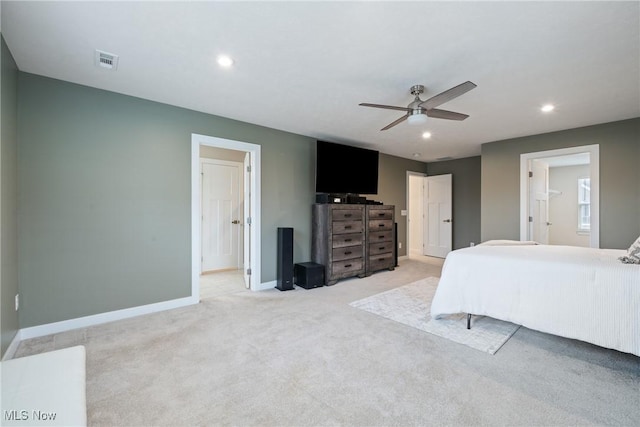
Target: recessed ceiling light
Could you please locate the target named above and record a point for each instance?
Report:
(225, 61)
(426, 135)
(416, 155)
(547, 108)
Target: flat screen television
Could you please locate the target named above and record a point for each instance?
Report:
(346, 170)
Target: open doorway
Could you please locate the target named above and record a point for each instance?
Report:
(417, 219)
(248, 259)
(222, 224)
(415, 216)
(560, 197)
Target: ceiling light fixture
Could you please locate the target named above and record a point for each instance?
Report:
(417, 119)
(547, 108)
(426, 135)
(225, 61)
(416, 155)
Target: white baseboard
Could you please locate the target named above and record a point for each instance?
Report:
(111, 316)
(403, 257)
(13, 346)
(97, 319)
(267, 285)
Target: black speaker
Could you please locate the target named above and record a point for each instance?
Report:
(395, 242)
(285, 259)
(309, 275)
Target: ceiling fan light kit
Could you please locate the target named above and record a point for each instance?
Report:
(418, 111)
(416, 118)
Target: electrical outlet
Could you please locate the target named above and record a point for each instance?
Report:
(472, 244)
(17, 301)
(399, 245)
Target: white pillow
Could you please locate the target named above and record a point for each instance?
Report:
(633, 254)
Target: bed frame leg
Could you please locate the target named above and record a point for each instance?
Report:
(468, 321)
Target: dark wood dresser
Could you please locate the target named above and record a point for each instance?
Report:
(380, 239)
(352, 239)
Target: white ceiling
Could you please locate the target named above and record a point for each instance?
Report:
(304, 67)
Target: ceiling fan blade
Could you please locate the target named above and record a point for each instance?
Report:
(388, 107)
(447, 95)
(392, 124)
(444, 114)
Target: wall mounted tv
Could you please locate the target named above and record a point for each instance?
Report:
(346, 170)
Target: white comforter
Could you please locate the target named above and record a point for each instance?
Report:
(580, 293)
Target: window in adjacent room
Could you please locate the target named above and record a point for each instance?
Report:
(584, 204)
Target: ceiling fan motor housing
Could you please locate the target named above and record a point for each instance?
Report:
(417, 90)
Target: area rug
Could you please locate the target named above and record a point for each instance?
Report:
(411, 305)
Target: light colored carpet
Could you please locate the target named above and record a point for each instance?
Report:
(411, 305)
(307, 358)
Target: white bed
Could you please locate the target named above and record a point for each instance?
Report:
(580, 293)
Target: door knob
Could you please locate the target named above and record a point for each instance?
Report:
(446, 220)
(235, 221)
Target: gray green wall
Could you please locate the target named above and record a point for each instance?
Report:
(105, 198)
(8, 197)
(466, 197)
(392, 189)
(619, 180)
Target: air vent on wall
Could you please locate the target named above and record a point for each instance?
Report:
(106, 60)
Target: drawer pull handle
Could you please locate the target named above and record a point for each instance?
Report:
(381, 248)
(347, 215)
(380, 237)
(346, 227)
(380, 225)
(347, 240)
(347, 265)
(347, 253)
(381, 214)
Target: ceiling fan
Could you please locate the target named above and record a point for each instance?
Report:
(419, 110)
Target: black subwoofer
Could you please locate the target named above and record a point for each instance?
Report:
(285, 259)
(309, 275)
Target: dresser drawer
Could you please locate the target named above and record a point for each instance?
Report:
(380, 224)
(340, 227)
(347, 266)
(378, 262)
(380, 214)
(380, 248)
(348, 252)
(380, 236)
(341, 240)
(346, 214)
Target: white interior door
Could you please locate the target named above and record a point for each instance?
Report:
(247, 220)
(438, 218)
(221, 214)
(539, 192)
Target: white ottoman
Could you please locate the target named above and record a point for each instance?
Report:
(45, 389)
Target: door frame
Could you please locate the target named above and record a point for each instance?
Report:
(594, 172)
(254, 210)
